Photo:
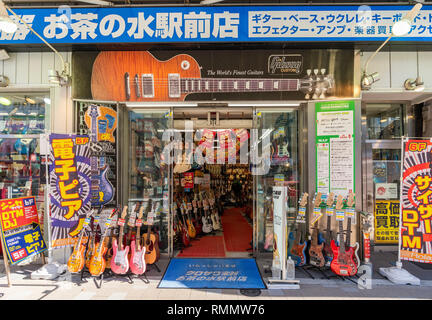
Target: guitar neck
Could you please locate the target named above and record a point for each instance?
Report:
(348, 240)
(203, 85)
(341, 238)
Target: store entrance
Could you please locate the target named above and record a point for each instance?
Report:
(213, 195)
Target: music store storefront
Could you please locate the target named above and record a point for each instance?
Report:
(206, 114)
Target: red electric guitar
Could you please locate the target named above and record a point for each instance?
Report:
(119, 260)
(356, 247)
(343, 262)
(137, 261)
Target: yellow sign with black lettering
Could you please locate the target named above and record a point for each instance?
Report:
(387, 221)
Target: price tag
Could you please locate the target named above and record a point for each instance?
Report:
(189, 206)
(350, 213)
(138, 222)
(86, 222)
(28, 184)
(340, 215)
(329, 211)
(150, 218)
(1, 185)
(121, 222)
(108, 223)
(317, 211)
(301, 217)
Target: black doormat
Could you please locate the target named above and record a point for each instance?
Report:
(424, 266)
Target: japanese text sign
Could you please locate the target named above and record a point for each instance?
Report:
(70, 186)
(21, 234)
(416, 201)
(387, 221)
(216, 24)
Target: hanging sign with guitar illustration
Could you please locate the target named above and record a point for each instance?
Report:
(178, 76)
(70, 186)
(99, 122)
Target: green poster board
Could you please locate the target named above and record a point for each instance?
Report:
(335, 147)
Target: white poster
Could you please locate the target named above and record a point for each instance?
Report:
(335, 123)
(386, 191)
(279, 225)
(341, 165)
(323, 174)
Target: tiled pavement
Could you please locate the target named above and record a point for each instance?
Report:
(66, 288)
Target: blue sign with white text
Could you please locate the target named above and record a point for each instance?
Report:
(212, 274)
(67, 25)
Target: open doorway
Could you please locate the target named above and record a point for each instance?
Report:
(213, 198)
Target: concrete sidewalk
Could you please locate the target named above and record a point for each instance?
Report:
(69, 287)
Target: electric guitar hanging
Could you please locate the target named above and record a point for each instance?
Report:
(137, 261)
(342, 263)
(139, 76)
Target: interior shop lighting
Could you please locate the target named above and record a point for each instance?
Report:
(30, 100)
(5, 101)
(414, 84)
(400, 28)
(47, 100)
(98, 2)
(9, 26)
(205, 2)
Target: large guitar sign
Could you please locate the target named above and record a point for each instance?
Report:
(139, 76)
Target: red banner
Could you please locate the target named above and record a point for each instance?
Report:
(416, 201)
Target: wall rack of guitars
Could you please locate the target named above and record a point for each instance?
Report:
(198, 210)
(327, 249)
(127, 246)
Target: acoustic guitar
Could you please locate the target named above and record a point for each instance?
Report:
(97, 262)
(119, 261)
(149, 240)
(76, 260)
(137, 261)
(342, 263)
(316, 250)
(139, 76)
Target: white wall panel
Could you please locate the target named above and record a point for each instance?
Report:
(22, 68)
(425, 67)
(35, 68)
(9, 67)
(403, 66)
(48, 62)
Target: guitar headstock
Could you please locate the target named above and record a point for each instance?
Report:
(351, 199)
(318, 199)
(93, 111)
(303, 200)
(316, 84)
(140, 212)
(124, 212)
(330, 199)
(339, 202)
(132, 217)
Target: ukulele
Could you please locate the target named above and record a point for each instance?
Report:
(97, 261)
(342, 263)
(119, 261)
(149, 239)
(92, 244)
(137, 261)
(299, 249)
(328, 252)
(77, 260)
(315, 250)
(356, 247)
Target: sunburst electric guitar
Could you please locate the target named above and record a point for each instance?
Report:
(139, 76)
(76, 260)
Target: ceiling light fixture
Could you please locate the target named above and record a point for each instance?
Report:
(400, 28)
(414, 84)
(206, 2)
(98, 2)
(54, 77)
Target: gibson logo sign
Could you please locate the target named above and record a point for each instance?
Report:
(285, 63)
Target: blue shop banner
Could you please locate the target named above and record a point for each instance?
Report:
(66, 25)
(212, 273)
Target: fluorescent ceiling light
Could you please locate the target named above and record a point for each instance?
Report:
(6, 23)
(5, 101)
(98, 2)
(403, 26)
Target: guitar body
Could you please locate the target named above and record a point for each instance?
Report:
(119, 260)
(137, 261)
(150, 243)
(328, 253)
(90, 253)
(138, 62)
(104, 192)
(191, 229)
(297, 260)
(97, 263)
(343, 264)
(215, 223)
(299, 250)
(77, 260)
(207, 227)
(316, 255)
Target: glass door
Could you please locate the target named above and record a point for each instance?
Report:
(149, 177)
(277, 132)
(383, 168)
